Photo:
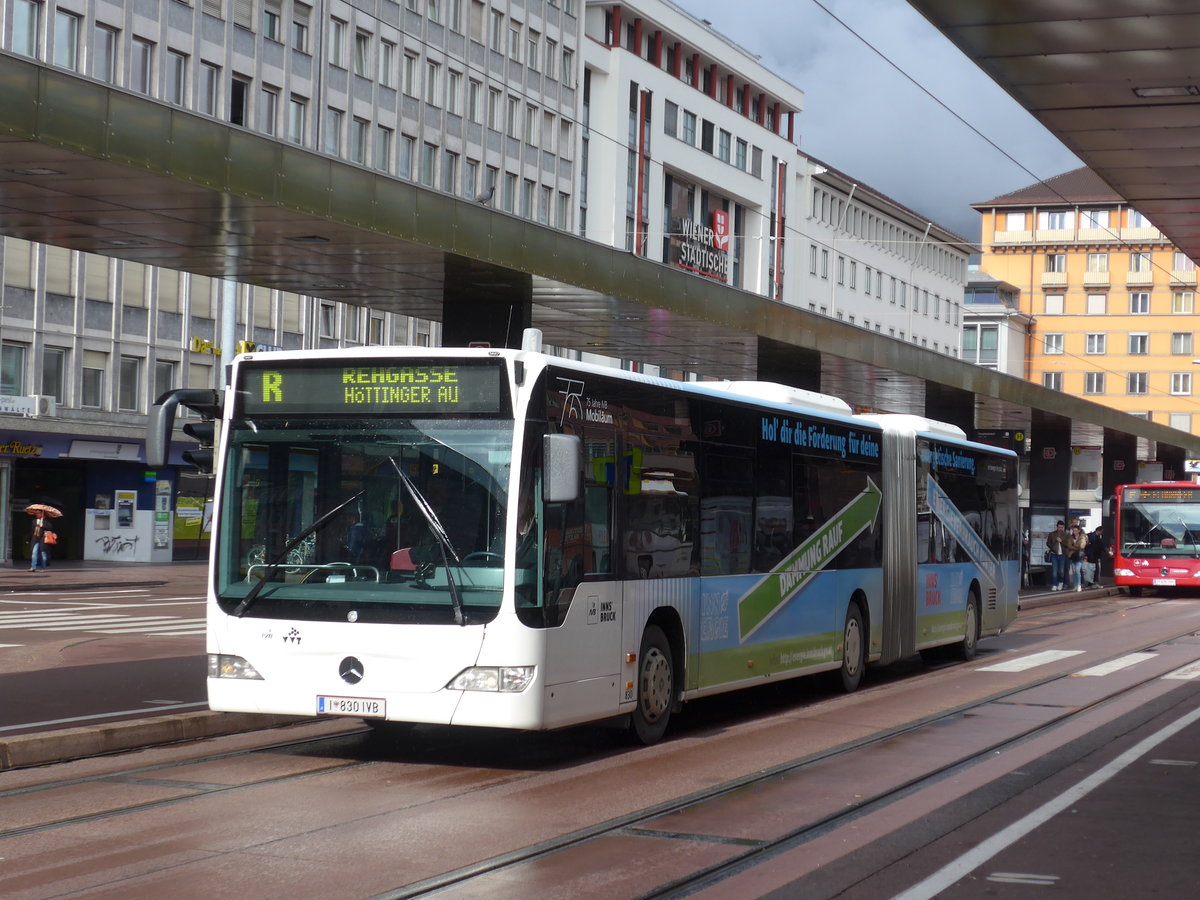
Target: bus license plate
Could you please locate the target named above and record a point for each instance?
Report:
(351, 706)
(1164, 582)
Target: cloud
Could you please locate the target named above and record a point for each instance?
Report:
(869, 120)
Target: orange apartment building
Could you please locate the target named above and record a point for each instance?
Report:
(1113, 301)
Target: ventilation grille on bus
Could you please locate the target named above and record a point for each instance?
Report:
(993, 597)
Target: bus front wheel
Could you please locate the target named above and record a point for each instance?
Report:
(854, 650)
(655, 687)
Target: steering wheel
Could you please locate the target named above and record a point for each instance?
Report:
(483, 558)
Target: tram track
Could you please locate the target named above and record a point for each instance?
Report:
(754, 851)
(645, 823)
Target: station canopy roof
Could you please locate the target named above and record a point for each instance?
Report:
(94, 168)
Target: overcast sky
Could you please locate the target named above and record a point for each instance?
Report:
(867, 119)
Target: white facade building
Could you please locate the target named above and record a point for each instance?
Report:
(690, 156)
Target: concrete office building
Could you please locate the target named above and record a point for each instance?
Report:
(684, 149)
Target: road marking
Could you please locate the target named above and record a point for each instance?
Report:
(1115, 665)
(1023, 878)
(1187, 673)
(108, 715)
(1031, 662)
(951, 873)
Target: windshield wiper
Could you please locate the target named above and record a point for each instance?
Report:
(273, 566)
(443, 539)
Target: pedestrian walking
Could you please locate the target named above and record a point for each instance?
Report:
(43, 537)
(1057, 547)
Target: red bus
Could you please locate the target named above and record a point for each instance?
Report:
(1157, 535)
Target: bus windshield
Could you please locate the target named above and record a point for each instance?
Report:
(387, 520)
(1159, 529)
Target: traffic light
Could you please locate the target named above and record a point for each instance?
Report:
(205, 432)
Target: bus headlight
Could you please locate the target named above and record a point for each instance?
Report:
(221, 665)
(1128, 573)
(508, 679)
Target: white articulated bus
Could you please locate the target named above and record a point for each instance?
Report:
(504, 538)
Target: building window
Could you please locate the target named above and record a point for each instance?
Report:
(1183, 263)
(1014, 221)
(1093, 382)
(1096, 343)
(1053, 344)
(454, 92)
(209, 79)
(130, 393)
(1054, 304)
(1181, 383)
(358, 140)
(1139, 262)
(141, 65)
(449, 172)
(433, 72)
(1052, 380)
(337, 43)
(383, 148)
(91, 387)
(333, 131)
(328, 323)
(1136, 382)
(1094, 218)
(176, 89)
(362, 54)
(301, 15)
(387, 63)
(1137, 220)
(1139, 344)
(54, 373)
(1139, 303)
(1182, 421)
(164, 377)
(270, 21)
(66, 40)
(12, 369)
(404, 163)
(689, 128)
(409, 81)
(297, 119)
(1181, 343)
(1182, 302)
(428, 164)
(1097, 262)
(739, 159)
(104, 54)
(268, 110)
(1096, 304)
(26, 25)
(1055, 220)
(1056, 262)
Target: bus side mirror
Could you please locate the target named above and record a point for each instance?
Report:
(563, 456)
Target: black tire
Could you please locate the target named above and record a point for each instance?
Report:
(655, 687)
(854, 650)
(969, 647)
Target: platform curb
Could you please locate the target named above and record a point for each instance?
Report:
(22, 751)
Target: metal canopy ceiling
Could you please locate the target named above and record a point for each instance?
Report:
(1117, 81)
(93, 168)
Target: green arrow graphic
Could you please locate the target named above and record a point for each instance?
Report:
(768, 596)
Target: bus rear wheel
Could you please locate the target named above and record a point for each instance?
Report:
(655, 687)
(854, 650)
(969, 647)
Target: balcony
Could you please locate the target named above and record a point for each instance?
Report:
(1181, 277)
(1097, 235)
(1054, 236)
(1095, 279)
(1013, 237)
(1145, 233)
(1139, 279)
(1054, 279)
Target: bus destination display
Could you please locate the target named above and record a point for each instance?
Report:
(1151, 494)
(403, 388)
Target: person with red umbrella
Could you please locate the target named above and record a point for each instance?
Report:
(44, 536)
